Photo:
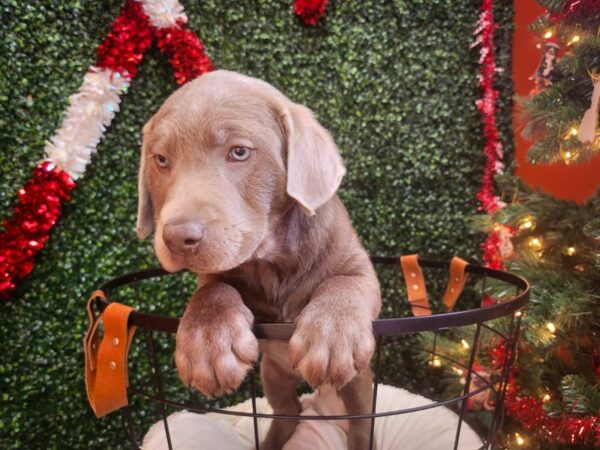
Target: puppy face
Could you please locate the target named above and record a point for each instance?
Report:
(221, 159)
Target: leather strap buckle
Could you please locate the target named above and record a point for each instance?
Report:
(415, 285)
(456, 282)
(106, 376)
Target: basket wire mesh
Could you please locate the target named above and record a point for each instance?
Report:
(384, 330)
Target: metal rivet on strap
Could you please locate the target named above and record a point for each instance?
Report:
(456, 279)
(415, 287)
(452, 290)
(115, 341)
(412, 274)
(112, 365)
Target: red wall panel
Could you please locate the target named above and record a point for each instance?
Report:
(574, 182)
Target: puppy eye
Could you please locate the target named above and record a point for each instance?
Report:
(161, 160)
(240, 153)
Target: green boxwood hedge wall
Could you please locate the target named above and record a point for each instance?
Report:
(394, 81)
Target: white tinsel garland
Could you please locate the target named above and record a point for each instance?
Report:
(93, 107)
(90, 112)
(164, 13)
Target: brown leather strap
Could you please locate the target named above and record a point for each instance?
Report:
(415, 285)
(456, 282)
(106, 377)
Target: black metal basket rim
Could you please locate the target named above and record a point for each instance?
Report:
(381, 327)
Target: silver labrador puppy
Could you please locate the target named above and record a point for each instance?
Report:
(238, 183)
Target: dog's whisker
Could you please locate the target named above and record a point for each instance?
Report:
(235, 225)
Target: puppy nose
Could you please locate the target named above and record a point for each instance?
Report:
(182, 238)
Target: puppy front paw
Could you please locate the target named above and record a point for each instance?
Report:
(331, 349)
(215, 346)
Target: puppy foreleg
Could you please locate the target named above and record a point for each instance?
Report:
(215, 346)
(280, 389)
(357, 396)
(334, 339)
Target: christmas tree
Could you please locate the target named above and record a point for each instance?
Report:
(553, 398)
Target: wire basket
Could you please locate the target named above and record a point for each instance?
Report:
(502, 320)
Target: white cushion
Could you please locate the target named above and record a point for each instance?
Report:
(431, 429)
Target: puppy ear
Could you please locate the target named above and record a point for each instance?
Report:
(145, 221)
(314, 166)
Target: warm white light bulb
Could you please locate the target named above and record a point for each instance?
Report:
(519, 439)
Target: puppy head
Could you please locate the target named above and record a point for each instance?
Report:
(221, 158)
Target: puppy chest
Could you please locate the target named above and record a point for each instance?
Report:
(271, 295)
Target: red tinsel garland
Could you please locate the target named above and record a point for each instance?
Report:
(493, 148)
(491, 254)
(487, 106)
(185, 52)
(529, 411)
(39, 208)
(127, 41)
(309, 11)
(563, 429)
(27, 230)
